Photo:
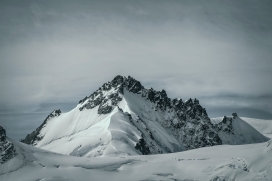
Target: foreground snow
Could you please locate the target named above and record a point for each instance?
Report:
(225, 162)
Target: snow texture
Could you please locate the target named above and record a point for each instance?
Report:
(262, 125)
(223, 162)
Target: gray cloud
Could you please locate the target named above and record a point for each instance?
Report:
(246, 105)
(53, 53)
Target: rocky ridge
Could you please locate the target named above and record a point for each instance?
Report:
(189, 120)
(35, 136)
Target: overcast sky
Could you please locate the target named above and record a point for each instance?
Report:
(54, 53)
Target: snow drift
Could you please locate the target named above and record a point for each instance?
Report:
(224, 162)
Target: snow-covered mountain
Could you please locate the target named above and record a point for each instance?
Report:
(241, 131)
(124, 118)
(218, 163)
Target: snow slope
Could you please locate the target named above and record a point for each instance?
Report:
(224, 162)
(262, 125)
(86, 134)
(124, 118)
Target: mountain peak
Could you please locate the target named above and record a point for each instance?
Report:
(111, 93)
(128, 81)
(108, 96)
(117, 80)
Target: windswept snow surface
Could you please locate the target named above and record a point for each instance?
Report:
(224, 162)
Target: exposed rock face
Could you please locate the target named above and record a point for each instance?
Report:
(108, 96)
(187, 120)
(2, 134)
(142, 147)
(35, 136)
(7, 149)
(225, 125)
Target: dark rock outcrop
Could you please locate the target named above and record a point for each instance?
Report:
(142, 147)
(234, 115)
(7, 149)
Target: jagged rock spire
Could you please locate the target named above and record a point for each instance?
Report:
(234, 115)
(7, 150)
(2, 134)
